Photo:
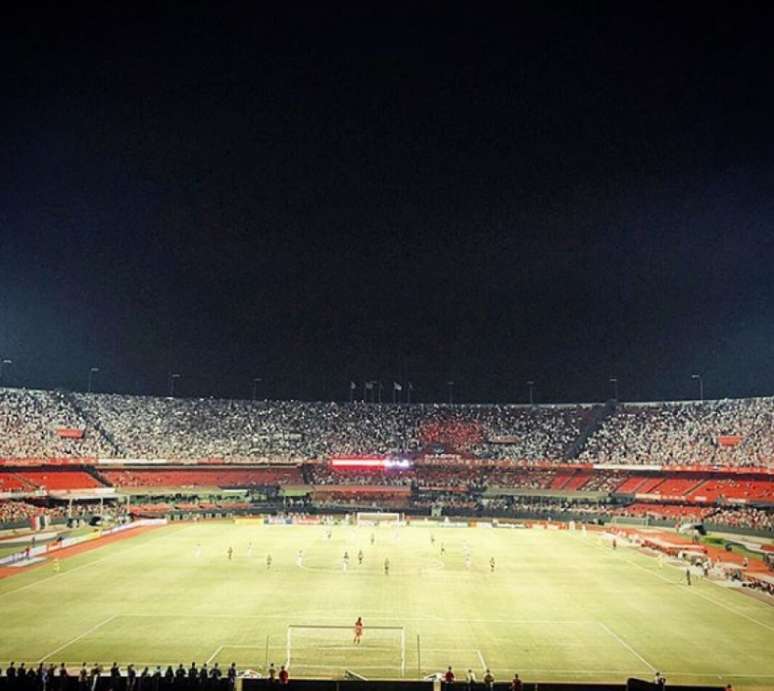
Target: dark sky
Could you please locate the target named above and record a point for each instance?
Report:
(315, 196)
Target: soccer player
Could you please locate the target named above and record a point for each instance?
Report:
(57, 566)
(345, 561)
(443, 549)
(250, 549)
(432, 539)
(688, 576)
(491, 564)
(360, 557)
(471, 679)
(373, 538)
(516, 684)
(300, 558)
(329, 534)
(386, 566)
(230, 552)
(283, 675)
(449, 676)
(268, 561)
(198, 551)
(489, 679)
(615, 544)
(358, 631)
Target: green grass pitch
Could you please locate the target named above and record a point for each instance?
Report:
(559, 606)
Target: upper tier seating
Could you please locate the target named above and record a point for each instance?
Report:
(730, 432)
(737, 432)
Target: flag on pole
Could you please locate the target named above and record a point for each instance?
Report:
(352, 385)
(369, 385)
(397, 386)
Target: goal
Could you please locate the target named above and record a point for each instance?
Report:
(319, 648)
(374, 518)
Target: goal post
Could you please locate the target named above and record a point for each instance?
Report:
(374, 518)
(322, 646)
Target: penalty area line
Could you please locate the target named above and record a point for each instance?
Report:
(78, 638)
(627, 646)
(482, 661)
(215, 654)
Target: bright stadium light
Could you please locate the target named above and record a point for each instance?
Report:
(92, 372)
(700, 379)
(173, 377)
(3, 363)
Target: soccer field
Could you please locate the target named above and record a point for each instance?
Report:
(558, 606)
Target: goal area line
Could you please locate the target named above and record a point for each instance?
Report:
(296, 629)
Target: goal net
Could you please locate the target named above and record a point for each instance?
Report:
(321, 649)
(375, 518)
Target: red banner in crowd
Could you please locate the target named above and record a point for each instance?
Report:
(729, 440)
(69, 433)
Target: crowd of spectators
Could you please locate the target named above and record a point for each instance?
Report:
(726, 432)
(686, 433)
(206, 677)
(237, 430)
(29, 421)
(17, 511)
(744, 517)
(14, 511)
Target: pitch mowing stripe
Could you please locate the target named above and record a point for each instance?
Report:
(83, 566)
(552, 622)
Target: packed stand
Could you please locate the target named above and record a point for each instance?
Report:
(172, 428)
(737, 432)
(29, 424)
(744, 517)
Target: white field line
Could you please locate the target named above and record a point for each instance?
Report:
(82, 566)
(482, 661)
(694, 591)
(78, 638)
(342, 666)
(552, 622)
(627, 646)
(215, 654)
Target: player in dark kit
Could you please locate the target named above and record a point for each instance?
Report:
(358, 631)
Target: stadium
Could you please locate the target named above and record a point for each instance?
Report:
(564, 543)
(387, 347)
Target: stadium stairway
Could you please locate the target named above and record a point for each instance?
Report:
(93, 422)
(597, 418)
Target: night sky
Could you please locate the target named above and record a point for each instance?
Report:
(561, 194)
